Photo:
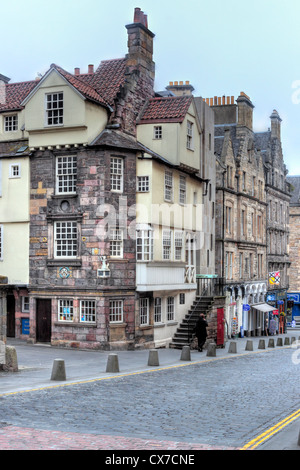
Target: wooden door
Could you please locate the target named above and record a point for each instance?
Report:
(43, 320)
(11, 322)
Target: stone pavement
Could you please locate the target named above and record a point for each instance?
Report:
(83, 367)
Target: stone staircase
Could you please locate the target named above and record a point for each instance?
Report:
(181, 337)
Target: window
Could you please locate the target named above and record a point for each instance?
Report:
(66, 175)
(189, 136)
(243, 222)
(167, 244)
(25, 304)
(54, 109)
(157, 132)
(244, 181)
(144, 311)
(65, 239)
(116, 174)
(168, 186)
(144, 245)
(88, 311)
(228, 219)
(157, 310)
(15, 170)
(178, 246)
(182, 299)
(241, 266)
(170, 309)
(11, 123)
(116, 311)
(143, 184)
(116, 243)
(65, 310)
(228, 265)
(182, 190)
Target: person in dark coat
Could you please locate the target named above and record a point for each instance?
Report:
(200, 330)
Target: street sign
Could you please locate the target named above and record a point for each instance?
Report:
(275, 312)
(246, 307)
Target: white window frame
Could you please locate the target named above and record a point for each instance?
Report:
(15, 170)
(190, 135)
(25, 309)
(157, 310)
(170, 309)
(157, 132)
(143, 184)
(144, 311)
(116, 243)
(51, 108)
(182, 189)
(116, 311)
(63, 306)
(144, 244)
(66, 174)
(11, 123)
(116, 174)
(88, 311)
(167, 245)
(168, 188)
(71, 243)
(178, 245)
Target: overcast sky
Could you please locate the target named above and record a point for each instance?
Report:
(220, 47)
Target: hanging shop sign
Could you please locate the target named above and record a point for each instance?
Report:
(274, 278)
(246, 307)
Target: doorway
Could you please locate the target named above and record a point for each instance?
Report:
(11, 316)
(43, 320)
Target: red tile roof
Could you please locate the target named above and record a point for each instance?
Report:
(16, 93)
(101, 87)
(108, 78)
(168, 109)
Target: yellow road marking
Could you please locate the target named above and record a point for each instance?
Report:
(270, 432)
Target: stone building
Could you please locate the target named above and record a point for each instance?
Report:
(278, 198)
(241, 211)
(294, 249)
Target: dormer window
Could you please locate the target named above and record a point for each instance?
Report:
(54, 109)
(11, 123)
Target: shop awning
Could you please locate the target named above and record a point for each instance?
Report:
(264, 307)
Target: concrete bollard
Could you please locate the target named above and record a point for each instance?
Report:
(286, 341)
(293, 340)
(185, 354)
(279, 342)
(261, 344)
(112, 363)
(211, 350)
(153, 358)
(232, 347)
(58, 370)
(249, 345)
(271, 343)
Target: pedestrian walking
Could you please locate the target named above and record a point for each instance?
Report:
(266, 326)
(200, 330)
(272, 327)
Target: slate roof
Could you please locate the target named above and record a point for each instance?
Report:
(169, 109)
(14, 148)
(295, 190)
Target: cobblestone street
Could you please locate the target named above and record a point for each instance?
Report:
(220, 404)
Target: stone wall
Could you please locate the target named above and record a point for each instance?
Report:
(294, 271)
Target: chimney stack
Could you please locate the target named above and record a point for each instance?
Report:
(77, 71)
(91, 69)
(3, 82)
(180, 89)
(275, 125)
(245, 111)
